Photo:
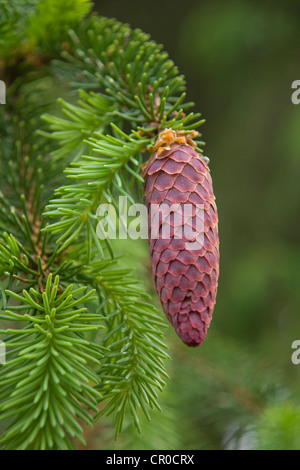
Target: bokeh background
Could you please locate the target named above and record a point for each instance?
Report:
(240, 389)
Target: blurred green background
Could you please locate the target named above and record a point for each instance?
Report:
(240, 389)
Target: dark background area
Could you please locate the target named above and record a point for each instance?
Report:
(240, 59)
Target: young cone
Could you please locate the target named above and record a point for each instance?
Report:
(185, 274)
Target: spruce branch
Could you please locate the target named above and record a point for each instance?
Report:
(133, 369)
(133, 83)
(46, 384)
(111, 167)
(93, 114)
(119, 91)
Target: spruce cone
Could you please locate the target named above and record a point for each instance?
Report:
(186, 279)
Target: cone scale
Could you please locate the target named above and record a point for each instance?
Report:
(185, 275)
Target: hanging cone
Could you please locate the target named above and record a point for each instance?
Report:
(185, 266)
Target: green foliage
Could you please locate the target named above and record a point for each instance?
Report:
(136, 83)
(162, 432)
(105, 91)
(49, 375)
(49, 22)
(134, 368)
(31, 25)
(61, 370)
(93, 114)
(95, 177)
(13, 22)
(279, 427)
